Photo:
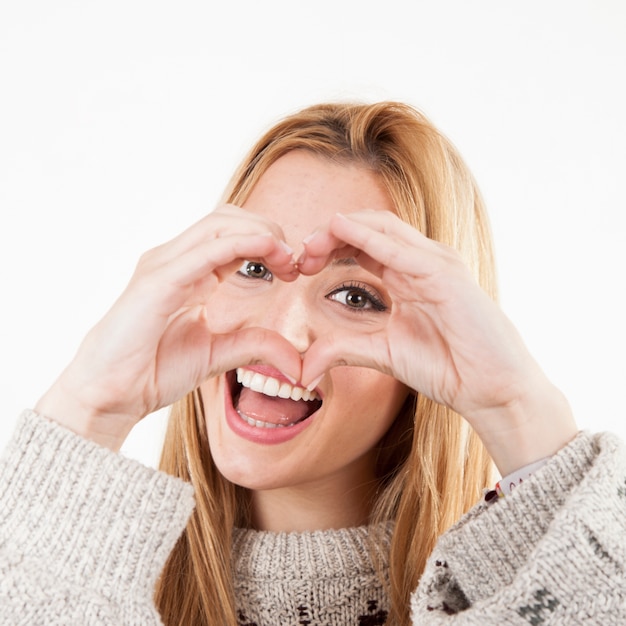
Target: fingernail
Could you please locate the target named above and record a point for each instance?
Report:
(285, 247)
(310, 237)
(301, 258)
(311, 386)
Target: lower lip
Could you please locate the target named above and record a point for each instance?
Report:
(254, 433)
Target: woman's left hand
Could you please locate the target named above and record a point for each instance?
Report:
(445, 337)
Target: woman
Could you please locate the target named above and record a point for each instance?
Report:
(320, 336)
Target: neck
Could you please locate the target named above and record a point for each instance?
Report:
(313, 507)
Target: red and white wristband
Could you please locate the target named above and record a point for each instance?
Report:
(505, 486)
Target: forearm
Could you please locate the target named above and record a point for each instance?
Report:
(554, 546)
(535, 425)
(96, 526)
(66, 408)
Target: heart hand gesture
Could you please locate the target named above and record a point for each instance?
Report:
(154, 344)
(445, 338)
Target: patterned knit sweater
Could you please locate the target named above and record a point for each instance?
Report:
(84, 533)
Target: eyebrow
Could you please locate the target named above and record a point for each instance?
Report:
(346, 261)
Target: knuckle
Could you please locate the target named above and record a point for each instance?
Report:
(147, 259)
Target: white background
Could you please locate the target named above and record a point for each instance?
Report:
(121, 121)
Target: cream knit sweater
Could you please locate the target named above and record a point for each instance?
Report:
(85, 532)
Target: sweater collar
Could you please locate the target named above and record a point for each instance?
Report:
(317, 554)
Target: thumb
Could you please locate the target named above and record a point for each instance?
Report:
(251, 346)
(339, 349)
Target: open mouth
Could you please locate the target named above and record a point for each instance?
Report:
(263, 401)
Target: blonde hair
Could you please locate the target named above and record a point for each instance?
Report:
(432, 467)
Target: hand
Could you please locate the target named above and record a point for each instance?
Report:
(445, 338)
(154, 345)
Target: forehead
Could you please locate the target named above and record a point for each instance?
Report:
(301, 191)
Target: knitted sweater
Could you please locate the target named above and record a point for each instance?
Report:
(84, 533)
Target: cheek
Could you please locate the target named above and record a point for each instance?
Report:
(225, 298)
(372, 399)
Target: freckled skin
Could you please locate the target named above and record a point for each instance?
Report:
(333, 456)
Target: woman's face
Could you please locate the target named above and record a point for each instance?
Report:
(269, 442)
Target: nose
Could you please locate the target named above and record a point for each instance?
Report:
(289, 313)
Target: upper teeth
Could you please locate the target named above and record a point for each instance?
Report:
(273, 387)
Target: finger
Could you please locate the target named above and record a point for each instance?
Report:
(345, 236)
(252, 346)
(388, 223)
(225, 220)
(189, 343)
(340, 349)
(394, 244)
(170, 285)
(321, 248)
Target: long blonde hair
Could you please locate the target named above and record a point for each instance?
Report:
(432, 467)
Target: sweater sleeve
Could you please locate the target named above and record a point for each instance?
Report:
(84, 532)
(552, 553)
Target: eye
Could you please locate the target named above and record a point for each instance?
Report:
(254, 269)
(357, 296)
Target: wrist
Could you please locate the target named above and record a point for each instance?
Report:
(65, 409)
(533, 427)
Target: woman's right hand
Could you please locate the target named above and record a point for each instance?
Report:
(154, 345)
